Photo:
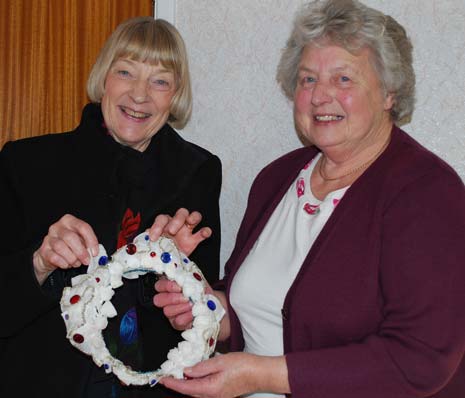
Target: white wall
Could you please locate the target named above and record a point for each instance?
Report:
(240, 114)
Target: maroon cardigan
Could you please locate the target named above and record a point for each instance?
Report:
(377, 309)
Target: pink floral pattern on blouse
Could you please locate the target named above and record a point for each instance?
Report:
(311, 209)
(300, 187)
(308, 207)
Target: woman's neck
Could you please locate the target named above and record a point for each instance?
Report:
(336, 169)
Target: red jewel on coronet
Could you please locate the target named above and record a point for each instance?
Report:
(153, 254)
(74, 299)
(211, 341)
(78, 338)
(97, 280)
(197, 276)
(131, 248)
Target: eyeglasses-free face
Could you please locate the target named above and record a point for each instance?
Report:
(136, 101)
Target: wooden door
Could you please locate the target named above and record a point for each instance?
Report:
(47, 48)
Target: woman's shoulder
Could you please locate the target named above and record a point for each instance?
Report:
(411, 160)
(289, 163)
(409, 168)
(281, 172)
(37, 146)
(170, 142)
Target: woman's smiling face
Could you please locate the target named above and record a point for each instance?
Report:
(136, 101)
(339, 101)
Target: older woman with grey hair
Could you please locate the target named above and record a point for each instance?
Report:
(104, 182)
(347, 277)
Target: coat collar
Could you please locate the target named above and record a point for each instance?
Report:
(170, 161)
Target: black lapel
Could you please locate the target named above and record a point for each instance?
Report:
(176, 162)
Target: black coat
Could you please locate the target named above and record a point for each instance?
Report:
(43, 178)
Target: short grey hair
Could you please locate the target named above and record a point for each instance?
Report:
(354, 26)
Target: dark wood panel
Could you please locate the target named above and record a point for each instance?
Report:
(47, 48)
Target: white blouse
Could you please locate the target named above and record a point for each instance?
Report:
(260, 286)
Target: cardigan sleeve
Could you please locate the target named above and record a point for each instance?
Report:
(421, 341)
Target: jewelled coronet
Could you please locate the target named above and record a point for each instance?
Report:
(86, 306)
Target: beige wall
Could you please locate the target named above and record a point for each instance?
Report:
(241, 115)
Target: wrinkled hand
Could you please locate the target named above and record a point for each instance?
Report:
(180, 229)
(176, 307)
(65, 246)
(223, 376)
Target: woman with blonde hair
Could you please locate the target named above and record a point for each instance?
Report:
(104, 182)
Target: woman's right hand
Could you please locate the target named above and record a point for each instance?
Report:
(176, 307)
(66, 245)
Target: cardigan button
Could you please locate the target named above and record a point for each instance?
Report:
(284, 314)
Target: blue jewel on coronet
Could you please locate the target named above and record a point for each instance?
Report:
(103, 260)
(185, 260)
(166, 257)
(106, 366)
(153, 382)
(146, 237)
(211, 304)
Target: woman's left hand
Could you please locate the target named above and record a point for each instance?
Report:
(180, 229)
(228, 375)
(231, 375)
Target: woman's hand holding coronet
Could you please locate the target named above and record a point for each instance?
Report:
(66, 245)
(220, 377)
(180, 228)
(232, 375)
(176, 307)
